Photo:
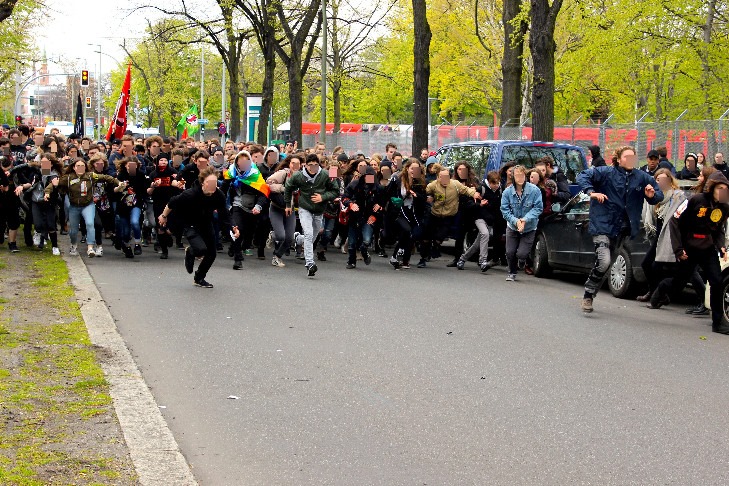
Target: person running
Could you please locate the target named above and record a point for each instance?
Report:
(161, 190)
(78, 186)
(363, 199)
(316, 188)
(44, 212)
(521, 206)
(698, 237)
(284, 226)
(195, 208)
(486, 215)
(406, 210)
(248, 194)
(617, 194)
(129, 207)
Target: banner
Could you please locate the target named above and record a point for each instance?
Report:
(78, 121)
(118, 124)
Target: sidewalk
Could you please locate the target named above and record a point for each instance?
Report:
(74, 408)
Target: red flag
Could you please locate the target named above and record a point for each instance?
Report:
(119, 123)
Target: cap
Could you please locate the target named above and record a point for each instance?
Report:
(653, 154)
(218, 148)
(342, 157)
(359, 153)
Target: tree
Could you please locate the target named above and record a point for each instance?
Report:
(543, 47)
(515, 28)
(6, 8)
(421, 75)
(295, 52)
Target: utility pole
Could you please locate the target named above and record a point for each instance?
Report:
(202, 91)
(324, 42)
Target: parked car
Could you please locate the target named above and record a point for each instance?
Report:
(489, 155)
(564, 243)
(725, 290)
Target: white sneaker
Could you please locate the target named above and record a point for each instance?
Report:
(91, 253)
(345, 246)
(338, 242)
(73, 251)
(56, 251)
(276, 262)
(36, 239)
(99, 251)
(269, 241)
(299, 239)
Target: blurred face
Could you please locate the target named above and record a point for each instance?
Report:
(664, 182)
(721, 193)
(79, 167)
(15, 139)
(177, 160)
(243, 163)
(53, 147)
(201, 163)
(534, 178)
(257, 157)
(414, 171)
(397, 162)
(519, 177)
(690, 163)
(628, 160)
(542, 168)
(166, 147)
(444, 177)
(99, 166)
(132, 168)
(72, 152)
(390, 153)
(93, 151)
(462, 172)
(127, 148)
(362, 167)
(154, 149)
(386, 172)
(312, 167)
(209, 185)
(271, 158)
(295, 164)
(38, 139)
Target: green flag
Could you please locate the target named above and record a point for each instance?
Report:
(188, 126)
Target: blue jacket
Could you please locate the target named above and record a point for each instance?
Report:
(625, 191)
(527, 207)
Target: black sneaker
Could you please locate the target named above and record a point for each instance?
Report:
(321, 256)
(137, 249)
(453, 264)
(350, 266)
(421, 263)
(485, 267)
(700, 310)
(203, 283)
(164, 256)
(460, 264)
(13, 247)
(117, 243)
(521, 264)
(366, 257)
(312, 269)
(180, 246)
(157, 247)
(238, 264)
(231, 252)
(382, 254)
(219, 248)
(128, 252)
(189, 260)
(395, 263)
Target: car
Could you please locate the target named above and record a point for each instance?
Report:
(65, 127)
(563, 242)
(489, 155)
(725, 291)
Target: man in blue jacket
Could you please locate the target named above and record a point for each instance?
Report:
(617, 194)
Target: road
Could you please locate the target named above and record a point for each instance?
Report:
(419, 377)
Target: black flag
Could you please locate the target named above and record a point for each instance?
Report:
(78, 123)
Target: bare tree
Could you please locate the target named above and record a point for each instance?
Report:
(55, 102)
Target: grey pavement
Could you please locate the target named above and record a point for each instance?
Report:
(435, 376)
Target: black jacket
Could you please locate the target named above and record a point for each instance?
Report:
(135, 193)
(364, 195)
(698, 224)
(414, 212)
(193, 208)
(491, 211)
(563, 188)
(165, 191)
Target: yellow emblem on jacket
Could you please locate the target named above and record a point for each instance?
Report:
(702, 213)
(716, 215)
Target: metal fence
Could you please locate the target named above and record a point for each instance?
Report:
(679, 137)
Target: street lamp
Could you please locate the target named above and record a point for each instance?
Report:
(98, 94)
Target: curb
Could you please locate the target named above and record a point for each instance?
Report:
(154, 452)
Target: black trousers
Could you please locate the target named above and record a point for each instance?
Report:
(708, 260)
(247, 224)
(202, 244)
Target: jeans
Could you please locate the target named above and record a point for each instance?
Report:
(311, 224)
(328, 234)
(360, 237)
(283, 230)
(75, 213)
(480, 244)
(518, 247)
(604, 251)
(129, 226)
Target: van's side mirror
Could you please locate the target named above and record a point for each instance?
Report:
(556, 207)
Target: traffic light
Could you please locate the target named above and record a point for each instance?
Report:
(88, 102)
(85, 77)
(31, 100)
(18, 120)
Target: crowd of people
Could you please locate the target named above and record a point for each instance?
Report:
(302, 204)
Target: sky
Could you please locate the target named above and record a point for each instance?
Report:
(101, 22)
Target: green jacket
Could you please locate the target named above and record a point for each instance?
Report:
(322, 184)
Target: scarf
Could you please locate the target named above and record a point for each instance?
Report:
(252, 178)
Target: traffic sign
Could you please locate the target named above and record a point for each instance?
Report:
(202, 121)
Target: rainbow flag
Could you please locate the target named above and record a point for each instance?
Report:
(252, 178)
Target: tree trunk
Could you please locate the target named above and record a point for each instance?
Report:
(543, 47)
(296, 95)
(512, 64)
(421, 76)
(269, 70)
(6, 8)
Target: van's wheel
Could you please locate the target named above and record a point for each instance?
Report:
(541, 258)
(725, 301)
(621, 277)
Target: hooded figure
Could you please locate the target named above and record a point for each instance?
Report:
(597, 160)
(268, 167)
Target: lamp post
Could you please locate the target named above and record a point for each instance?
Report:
(98, 94)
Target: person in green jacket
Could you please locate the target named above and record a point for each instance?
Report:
(316, 188)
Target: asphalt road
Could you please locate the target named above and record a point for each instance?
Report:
(419, 377)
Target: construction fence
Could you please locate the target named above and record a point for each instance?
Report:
(679, 137)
